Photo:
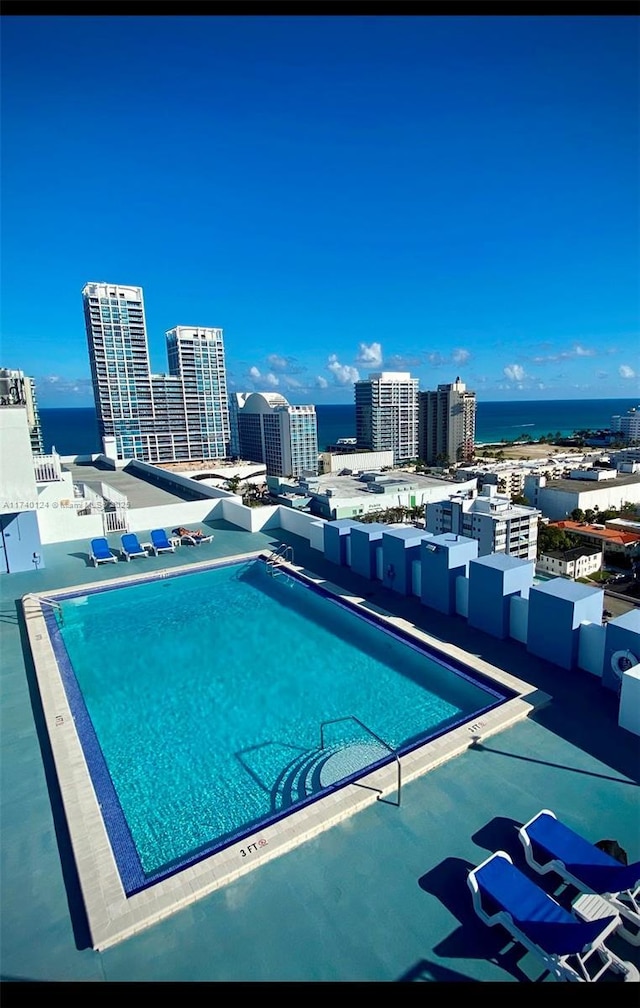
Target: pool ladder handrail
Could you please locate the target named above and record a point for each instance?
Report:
(283, 553)
(352, 717)
(46, 601)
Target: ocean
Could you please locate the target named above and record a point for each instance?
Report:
(75, 431)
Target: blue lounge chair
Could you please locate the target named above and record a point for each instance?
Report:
(131, 547)
(160, 543)
(502, 894)
(550, 846)
(101, 552)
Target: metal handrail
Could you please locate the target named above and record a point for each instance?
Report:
(47, 601)
(283, 552)
(352, 717)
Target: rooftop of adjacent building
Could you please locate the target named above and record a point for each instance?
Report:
(381, 896)
(608, 535)
(577, 485)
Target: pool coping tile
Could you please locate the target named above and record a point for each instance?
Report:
(111, 915)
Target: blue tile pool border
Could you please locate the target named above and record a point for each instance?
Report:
(132, 875)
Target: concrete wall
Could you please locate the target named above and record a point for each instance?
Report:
(556, 611)
(18, 490)
(444, 558)
(622, 648)
(629, 711)
(366, 540)
(21, 543)
(519, 618)
(591, 641)
(400, 548)
(492, 581)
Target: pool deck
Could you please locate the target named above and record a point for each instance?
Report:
(379, 896)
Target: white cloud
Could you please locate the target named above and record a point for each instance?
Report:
(276, 362)
(626, 372)
(271, 380)
(292, 383)
(254, 373)
(370, 355)
(514, 372)
(460, 356)
(343, 374)
(322, 382)
(582, 352)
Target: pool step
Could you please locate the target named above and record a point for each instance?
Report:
(318, 769)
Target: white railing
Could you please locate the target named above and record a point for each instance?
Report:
(115, 521)
(47, 468)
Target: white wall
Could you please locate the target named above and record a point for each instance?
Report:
(518, 618)
(18, 487)
(591, 639)
(356, 460)
(416, 578)
(557, 504)
(629, 711)
(301, 524)
(462, 596)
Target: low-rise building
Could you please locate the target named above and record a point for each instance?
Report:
(581, 561)
(356, 462)
(556, 499)
(612, 541)
(332, 496)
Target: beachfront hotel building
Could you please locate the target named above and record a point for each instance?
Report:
(387, 414)
(16, 389)
(179, 416)
(628, 425)
(447, 424)
(266, 428)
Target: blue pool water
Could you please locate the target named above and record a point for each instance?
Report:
(199, 699)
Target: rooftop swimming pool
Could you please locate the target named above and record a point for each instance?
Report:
(211, 706)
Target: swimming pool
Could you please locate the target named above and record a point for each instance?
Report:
(213, 705)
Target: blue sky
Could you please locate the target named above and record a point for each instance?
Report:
(341, 194)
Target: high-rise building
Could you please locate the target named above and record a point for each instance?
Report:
(16, 389)
(447, 424)
(272, 431)
(628, 425)
(387, 414)
(178, 416)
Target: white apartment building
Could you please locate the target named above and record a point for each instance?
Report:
(387, 414)
(179, 416)
(490, 518)
(574, 563)
(628, 425)
(268, 429)
(447, 424)
(16, 389)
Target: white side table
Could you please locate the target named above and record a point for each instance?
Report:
(590, 907)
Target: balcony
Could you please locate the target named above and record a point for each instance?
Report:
(47, 468)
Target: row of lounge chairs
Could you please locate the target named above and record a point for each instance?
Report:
(566, 940)
(101, 551)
